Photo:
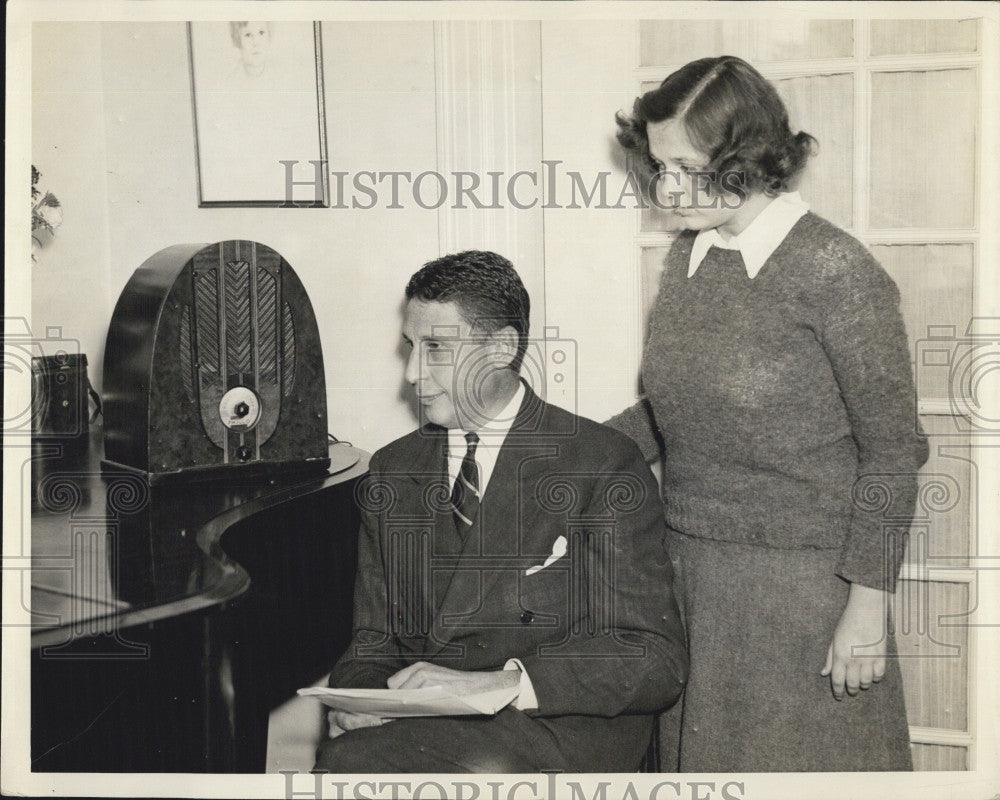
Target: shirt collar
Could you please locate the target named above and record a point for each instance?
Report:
(494, 431)
(760, 238)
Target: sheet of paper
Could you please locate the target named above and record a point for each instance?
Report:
(429, 701)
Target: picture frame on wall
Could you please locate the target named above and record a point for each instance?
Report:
(259, 114)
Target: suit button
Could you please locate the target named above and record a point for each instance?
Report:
(527, 617)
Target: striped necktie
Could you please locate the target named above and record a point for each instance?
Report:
(465, 492)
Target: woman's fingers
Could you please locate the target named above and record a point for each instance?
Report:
(866, 675)
(852, 676)
(838, 678)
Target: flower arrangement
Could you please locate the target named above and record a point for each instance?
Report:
(46, 213)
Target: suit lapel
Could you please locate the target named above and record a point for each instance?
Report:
(420, 511)
(501, 527)
(427, 498)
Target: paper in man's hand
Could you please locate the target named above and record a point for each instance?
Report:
(428, 701)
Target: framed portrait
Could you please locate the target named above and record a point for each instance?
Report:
(259, 116)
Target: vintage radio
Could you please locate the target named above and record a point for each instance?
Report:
(213, 367)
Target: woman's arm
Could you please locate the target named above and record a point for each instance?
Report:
(865, 340)
(637, 422)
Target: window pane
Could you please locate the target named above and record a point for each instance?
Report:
(939, 758)
(934, 652)
(923, 149)
(939, 536)
(676, 42)
(823, 106)
(935, 284)
(788, 39)
(909, 36)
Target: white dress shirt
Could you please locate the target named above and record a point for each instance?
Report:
(491, 438)
(759, 239)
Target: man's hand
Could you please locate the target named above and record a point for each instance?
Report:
(862, 624)
(340, 721)
(423, 674)
(457, 681)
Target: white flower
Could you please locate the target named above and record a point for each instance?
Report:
(46, 213)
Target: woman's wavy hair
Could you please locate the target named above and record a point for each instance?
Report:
(732, 114)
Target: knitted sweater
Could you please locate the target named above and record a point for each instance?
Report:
(784, 404)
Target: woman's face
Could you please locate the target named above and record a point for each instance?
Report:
(685, 192)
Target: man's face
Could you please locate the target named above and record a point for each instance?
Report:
(449, 366)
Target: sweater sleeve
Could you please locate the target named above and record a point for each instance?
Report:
(865, 339)
(637, 422)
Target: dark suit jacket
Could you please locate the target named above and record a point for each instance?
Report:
(598, 630)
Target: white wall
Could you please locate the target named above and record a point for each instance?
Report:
(70, 279)
(591, 288)
(114, 136)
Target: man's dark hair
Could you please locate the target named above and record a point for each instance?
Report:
(484, 286)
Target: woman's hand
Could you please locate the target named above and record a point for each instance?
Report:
(862, 626)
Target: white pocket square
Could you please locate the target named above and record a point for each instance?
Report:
(558, 551)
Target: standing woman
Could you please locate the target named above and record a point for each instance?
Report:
(779, 393)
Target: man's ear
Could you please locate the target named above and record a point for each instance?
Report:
(503, 344)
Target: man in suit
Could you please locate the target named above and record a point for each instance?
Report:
(506, 544)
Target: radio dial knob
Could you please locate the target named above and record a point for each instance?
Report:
(240, 409)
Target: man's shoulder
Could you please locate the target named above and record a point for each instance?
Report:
(586, 440)
(401, 452)
(577, 436)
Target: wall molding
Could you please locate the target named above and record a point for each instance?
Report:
(480, 94)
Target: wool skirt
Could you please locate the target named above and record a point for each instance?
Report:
(759, 623)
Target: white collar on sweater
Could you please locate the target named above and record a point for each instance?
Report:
(491, 435)
(760, 238)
